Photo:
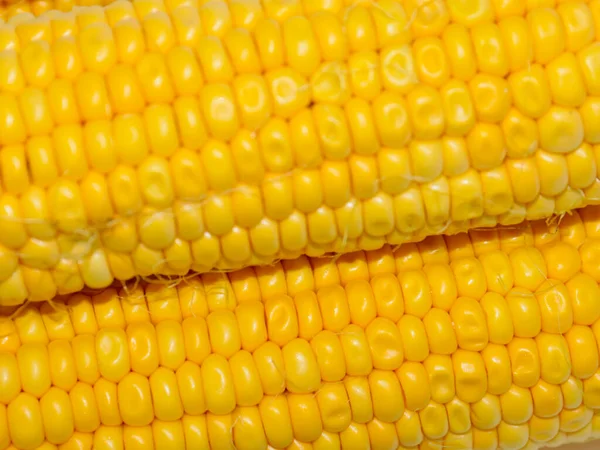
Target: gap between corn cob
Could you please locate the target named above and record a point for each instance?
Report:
(490, 337)
(157, 137)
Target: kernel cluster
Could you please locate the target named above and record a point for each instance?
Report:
(160, 136)
(487, 339)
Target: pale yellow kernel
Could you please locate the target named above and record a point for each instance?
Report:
(398, 70)
(432, 65)
(365, 74)
(491, 55)
(548, 34)
(517, 41)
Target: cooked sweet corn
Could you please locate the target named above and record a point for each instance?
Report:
(155, 137)
(246, 429)
(483, 340)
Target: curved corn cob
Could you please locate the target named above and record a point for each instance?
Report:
(494, 334)
(245, 429)
(157, 137)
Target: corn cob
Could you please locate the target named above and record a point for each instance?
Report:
(245, 429)
(491, 336)
(157, 137)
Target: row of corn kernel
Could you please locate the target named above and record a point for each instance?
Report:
(246, 377)
(412, 311)
(418, 288)
(278, 422)
(209, 292)
(494, 110)
(301, 366)
(143, 258)
(516, 126)
(181, 252)
(548, 88)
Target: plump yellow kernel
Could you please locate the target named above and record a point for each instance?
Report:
(531, 91)
(288, 91)
(37, 64)
(356, 351)
(329, 355)
(425, 112)
(253, 100)
(442, 284)
(276, 420)
(525, 179)
(554, 175)
(218, 385)
(382, 434)
(441, 377)
(517, 405)
(488, 137)
(214, 60)
(440, 334)
(269, 43)
(24, 418)
(97, 47)
(129, 39)
(517, 41)
(555, 307)
(13, 126)
(491, 97)
(429, 18)
(62, 102)
(305, 417)
(432, 66)
(301, 46)
(582, 167)
(512, 435)
(411, 375)
(398, 69)
(459, 51)
(458, 108)
(496, 190)
(362, 127)
(489, 50)
(469, 320)
(525, 362)
(113, 355)
(384, 386)
(334, 417)
(497, 362)
(414, 338)
(471, 14)
(143, 348)
(582, 348)
(165, 395)
(434, 421)
(216, 18)
(572, 393)
(553, 350)
(365, 74)
(587, 66)
(543, 430)
(92, 96)
(584, 311)
(565, 80)
(471, 382)
(218, 107)
(329, 34)
(548, 34)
